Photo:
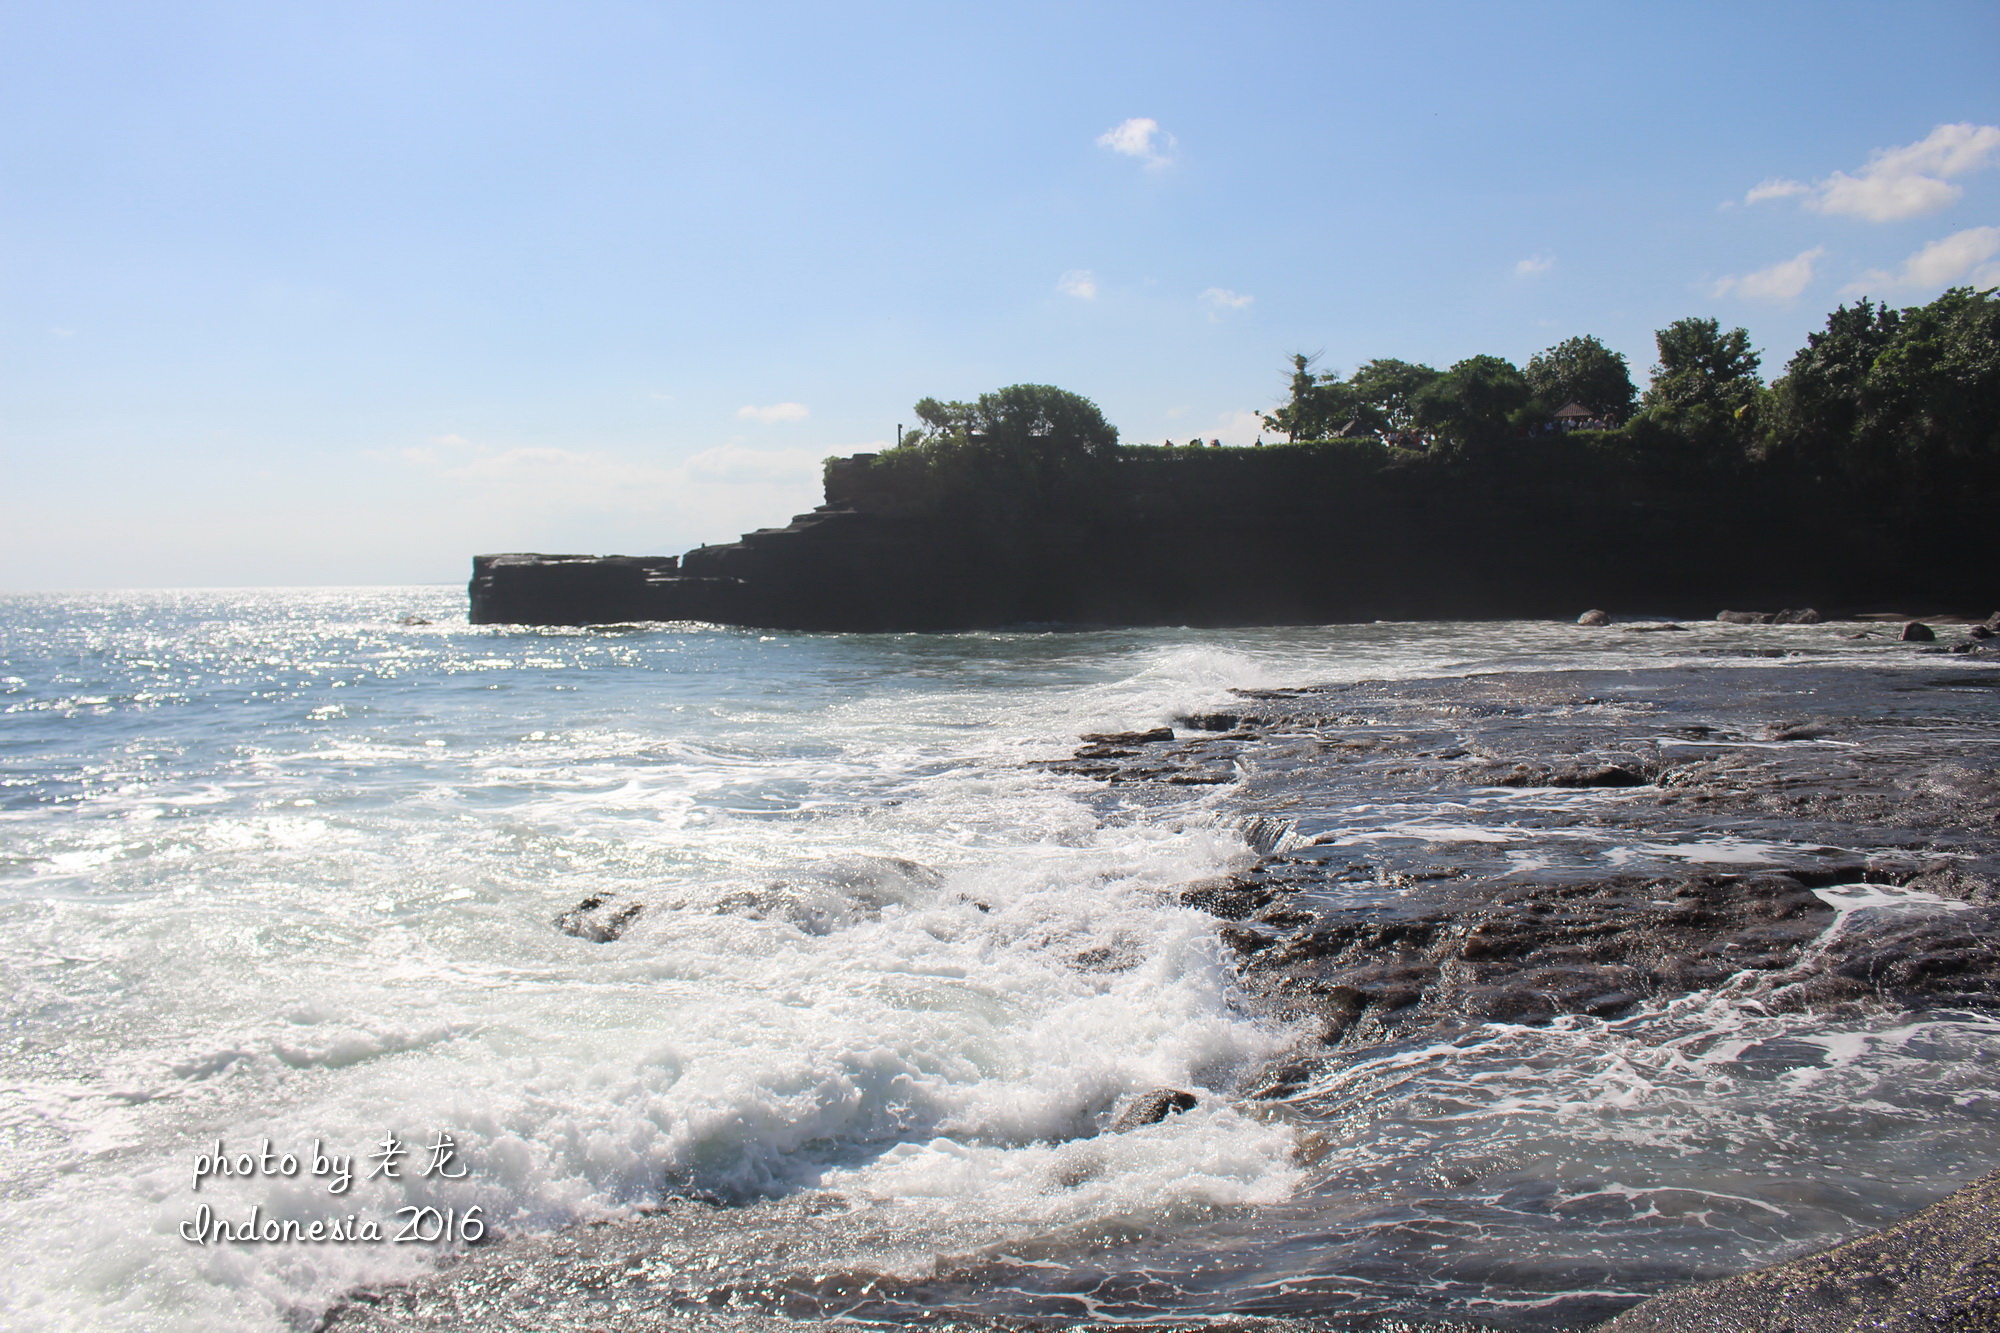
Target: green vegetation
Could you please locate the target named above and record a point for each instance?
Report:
(1584, 371)
(1899, 405)
(1895, 410)
(1024, 445)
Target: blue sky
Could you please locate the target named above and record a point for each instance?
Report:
(343, 293)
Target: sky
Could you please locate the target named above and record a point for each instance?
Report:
(344, 293)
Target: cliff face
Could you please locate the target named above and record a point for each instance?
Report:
(1276, 536)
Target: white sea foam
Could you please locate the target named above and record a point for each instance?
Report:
(277, 868)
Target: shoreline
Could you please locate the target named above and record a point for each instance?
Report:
(1818, 781)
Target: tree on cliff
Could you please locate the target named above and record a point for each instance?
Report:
(1318, 406)
(1021, 444)
(1897, 404)
(1379, 397)
(1386, 393)
(1037, 421)
(1479, 400)
(1583, 370)
(1705, 391)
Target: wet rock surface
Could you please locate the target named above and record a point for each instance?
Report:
(1151, 1108)
(1431, 862)
(1937, 1271)
(1512, 848)
(600, 918)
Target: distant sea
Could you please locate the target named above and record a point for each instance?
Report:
(279, 871)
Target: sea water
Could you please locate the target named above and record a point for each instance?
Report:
(279, 872)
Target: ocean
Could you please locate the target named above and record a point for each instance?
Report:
(279, 877)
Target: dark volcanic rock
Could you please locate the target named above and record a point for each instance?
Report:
(600, 918)
(1937, 1271)
(1151, 1108)
(1613, 837)
(1918, 632)
(1461, 954)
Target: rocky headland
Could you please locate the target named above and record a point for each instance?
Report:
(1296, 534)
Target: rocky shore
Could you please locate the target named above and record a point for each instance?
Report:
(1438, 855)
(1743, 810)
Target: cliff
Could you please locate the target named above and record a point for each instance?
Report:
(1295, 534)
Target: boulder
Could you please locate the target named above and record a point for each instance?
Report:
(1593, 619)
(1150, 1108)
(600, 918)
(1918, 632)
(1803, 616)
(1744, 617)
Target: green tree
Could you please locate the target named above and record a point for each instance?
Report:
(1819, 402)
(1022, 421)
(1477, 401)
(1898, 404)
(1583, 370)
(1318, 405)
(1385, 393)
(1705, 391)
(1015, 446)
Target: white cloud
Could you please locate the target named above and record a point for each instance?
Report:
(1078, 282)
(728, 487)
(1897, 183)
(1238, 427)
(733, 464)
(1965, 254)
(1140, 137)
(1221, 298)
(1781, 282)
(1776, 188)
(1527, 268)
(775, 412)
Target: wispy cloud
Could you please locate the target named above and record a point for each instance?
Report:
(1965, 254)
(1781, 282)
(1238, 427)
(1078, 282)
(734, 464)
(1218, 299)
(775, 412)
(730, 483)
(1140, 137)
(1529, 267)
(1897, 183)
(1776, 188)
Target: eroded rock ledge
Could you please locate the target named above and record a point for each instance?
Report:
(1512, 848)
(1516, 848)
